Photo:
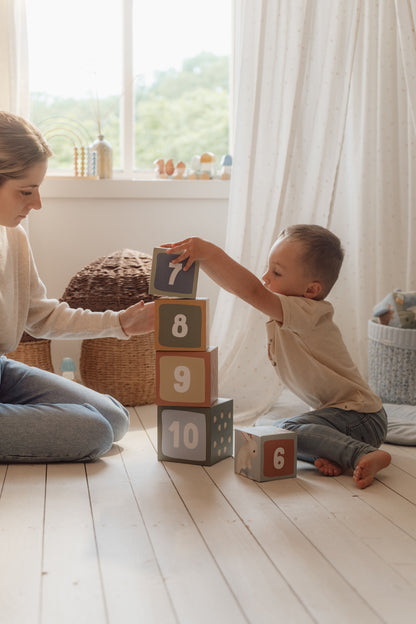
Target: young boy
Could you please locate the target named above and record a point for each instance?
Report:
(347, 422)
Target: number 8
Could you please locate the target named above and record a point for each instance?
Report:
(179, 327)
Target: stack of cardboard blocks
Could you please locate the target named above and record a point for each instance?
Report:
(194, 425)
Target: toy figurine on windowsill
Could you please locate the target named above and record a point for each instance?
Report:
(207, 166)
(226, 166)
(159, 168)
(195, 168)
(180, 170)
(164, 170)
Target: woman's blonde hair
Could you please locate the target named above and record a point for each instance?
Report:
(21, 146)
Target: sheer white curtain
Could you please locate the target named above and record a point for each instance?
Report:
(374, 204)
(14, 83)
(324, 134)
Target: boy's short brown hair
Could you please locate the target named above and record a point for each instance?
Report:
(323, 253)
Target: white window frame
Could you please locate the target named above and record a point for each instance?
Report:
(129, 181)
(127, 142)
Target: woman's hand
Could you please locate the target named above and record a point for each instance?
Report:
(138, 318)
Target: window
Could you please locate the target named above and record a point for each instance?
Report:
(152, 77)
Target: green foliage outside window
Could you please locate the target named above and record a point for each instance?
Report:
(181, 114)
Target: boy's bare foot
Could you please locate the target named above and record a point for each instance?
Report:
(328, 467)
(368, 465)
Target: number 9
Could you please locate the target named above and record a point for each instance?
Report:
(182, 375)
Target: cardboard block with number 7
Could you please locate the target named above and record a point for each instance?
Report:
(265, 453)
(187, 377)
(181, 324)
(170, 279)
(195, 435)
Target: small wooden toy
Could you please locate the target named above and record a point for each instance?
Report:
(181, 324)
(207, 166)
(195, 168)
(265, 453)
(226, 166)
(169, 167)
(68, 368)
(201, 435)
(168, 279)
(180, 171)
(187, 377)
(159, 169)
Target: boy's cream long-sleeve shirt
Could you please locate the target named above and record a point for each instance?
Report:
(312, 360)
(24, 305)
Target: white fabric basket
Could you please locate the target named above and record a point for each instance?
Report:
(392, 363)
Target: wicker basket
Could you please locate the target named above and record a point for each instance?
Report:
(33, 352)
(392, 363)
(125, 369)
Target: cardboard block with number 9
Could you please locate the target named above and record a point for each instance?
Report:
(171, 280)
(196, 435)
(265, 453)
(181, 324)
(187, 377)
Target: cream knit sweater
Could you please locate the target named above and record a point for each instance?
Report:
(24, 305)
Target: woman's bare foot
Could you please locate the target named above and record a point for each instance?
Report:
(368, 465)
(328, 467)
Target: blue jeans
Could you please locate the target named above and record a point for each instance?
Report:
(339, 435)
(47, 418)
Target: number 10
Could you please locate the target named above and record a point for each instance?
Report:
(190, 435)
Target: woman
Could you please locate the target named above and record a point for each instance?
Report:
(45, 417)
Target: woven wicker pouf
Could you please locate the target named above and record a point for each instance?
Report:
(33, 352)
(126, 369)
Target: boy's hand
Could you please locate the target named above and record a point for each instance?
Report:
(189, 249)
(138, 318)
(227, 273)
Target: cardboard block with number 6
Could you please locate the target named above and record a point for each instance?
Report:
(265, 453)
(187, 377)
(169, 279)
(196, 435)
(181, 324)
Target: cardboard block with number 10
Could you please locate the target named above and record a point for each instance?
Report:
(265, 453)
(196, 435)
(181, 324)
(187, 377)
(169, 279)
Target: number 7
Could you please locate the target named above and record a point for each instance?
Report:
(176, 269)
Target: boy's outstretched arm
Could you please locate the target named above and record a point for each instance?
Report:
(227, 273)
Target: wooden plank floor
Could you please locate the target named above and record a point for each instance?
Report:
(130, 539)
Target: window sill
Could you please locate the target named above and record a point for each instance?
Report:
(58, 187)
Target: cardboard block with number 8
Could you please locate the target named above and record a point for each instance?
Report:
(181, 324)
(265, 453)
(187, 377)
(196, 435)
(169, 279)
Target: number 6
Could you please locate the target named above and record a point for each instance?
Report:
(278, 458)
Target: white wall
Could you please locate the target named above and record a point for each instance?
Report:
(82, 220)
